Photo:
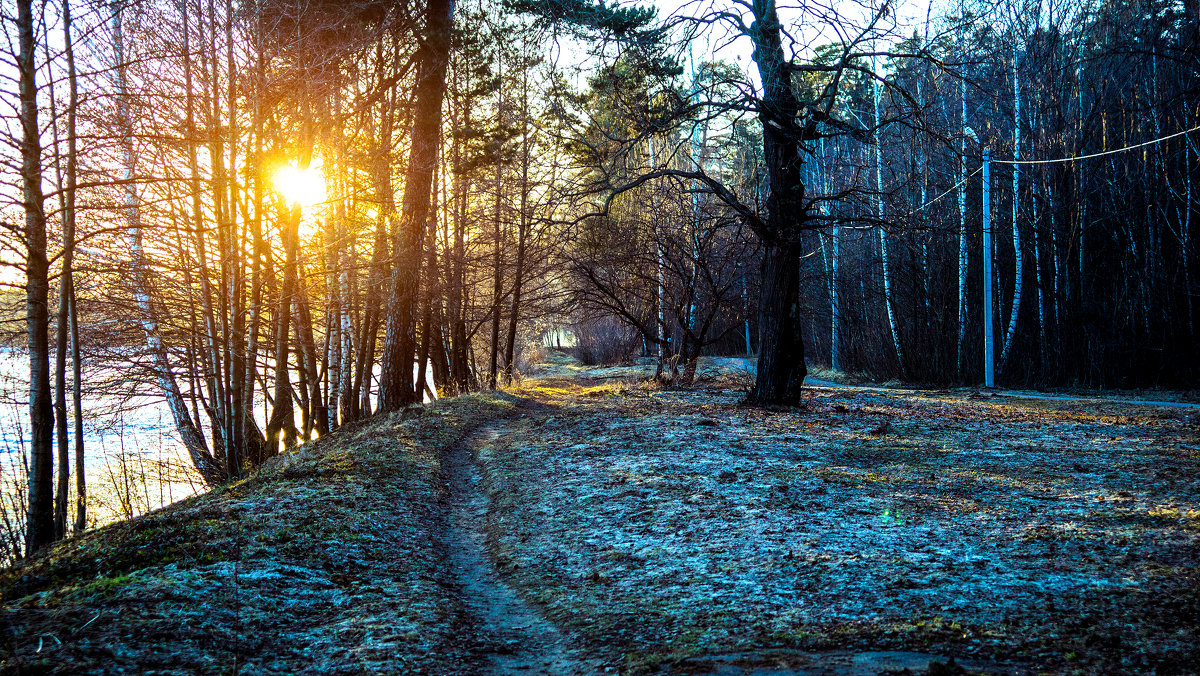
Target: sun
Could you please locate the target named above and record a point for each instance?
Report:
(305, 187)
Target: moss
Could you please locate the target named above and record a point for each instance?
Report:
(104, 587)
(154, 540)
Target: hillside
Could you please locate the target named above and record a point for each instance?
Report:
(327, 561)
(587, 522)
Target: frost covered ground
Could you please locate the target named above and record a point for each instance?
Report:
(1028, 535)
(328, 561)
(869, 531)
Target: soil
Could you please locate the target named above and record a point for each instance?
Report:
(514, 636)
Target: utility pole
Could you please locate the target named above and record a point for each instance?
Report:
(989, 361)
(745, 309)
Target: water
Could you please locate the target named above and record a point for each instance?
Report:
(133, 460)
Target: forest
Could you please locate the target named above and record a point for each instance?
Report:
(266, 220)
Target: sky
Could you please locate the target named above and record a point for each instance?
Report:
(808, 23)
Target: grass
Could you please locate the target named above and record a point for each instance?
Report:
(326, 559)
(658, 526)
(967, 530)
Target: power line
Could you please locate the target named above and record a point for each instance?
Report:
(947, 192)
(1061, 160)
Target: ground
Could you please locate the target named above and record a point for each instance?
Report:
(588, 522)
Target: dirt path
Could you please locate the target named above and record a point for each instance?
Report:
(513, 637)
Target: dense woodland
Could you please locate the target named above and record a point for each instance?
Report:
(281, 216)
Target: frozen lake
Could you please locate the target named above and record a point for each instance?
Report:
(133, 461)
(133, 458)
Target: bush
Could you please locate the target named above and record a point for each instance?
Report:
(604, 340)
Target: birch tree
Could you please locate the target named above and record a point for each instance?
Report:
(185, 426)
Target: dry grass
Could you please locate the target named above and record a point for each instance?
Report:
(669, 524)
(326, 560)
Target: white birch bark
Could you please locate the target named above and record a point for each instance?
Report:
(835, 310)
(883, 246)
(661, 323)
(1018, 258)
(188, 432)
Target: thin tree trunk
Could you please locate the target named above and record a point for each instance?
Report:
(62, 438)
(883, 245)
(1019, 260)
(40, 516)
(523, 225)
(515, 314)
(68, 283)
(336, 312)
(962, 218)
(431, 288)
(1039, 279)
(379, 254)
(252, 434)
(460, 365)
(235, 341)
(282, 424)
(317, 412)
(345, 285)
(497, 270)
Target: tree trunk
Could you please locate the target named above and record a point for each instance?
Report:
(317, 412)
(77, 414)
(460, 364)
(65, 182)
(781, 368)
(61, 498)
(378, 273)
(68, 275)
(883, 244)
(518, 273)
(962, 221)
(40, 518)
(1019, 260)
(282, 422)
(835, 308)
(396, 388)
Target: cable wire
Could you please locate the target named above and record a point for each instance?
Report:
(947, 192)
(1061, 160)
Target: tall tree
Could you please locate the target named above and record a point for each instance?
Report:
(187, 428)
(40, 517)
(396, 384)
